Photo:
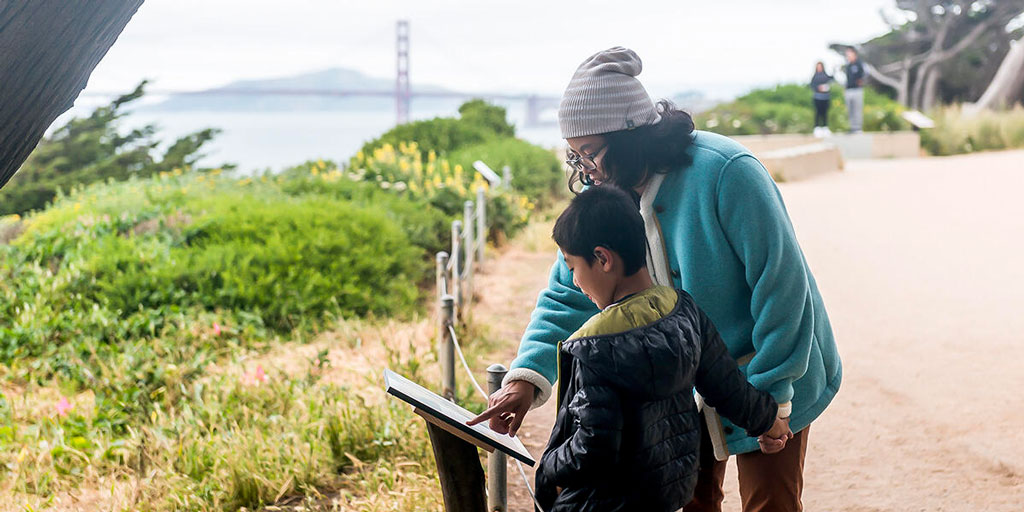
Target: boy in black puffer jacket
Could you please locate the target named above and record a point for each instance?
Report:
(627, 432)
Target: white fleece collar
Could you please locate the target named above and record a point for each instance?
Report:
(657, 258)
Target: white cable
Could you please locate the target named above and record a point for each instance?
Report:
(458, 349)
(528, 488)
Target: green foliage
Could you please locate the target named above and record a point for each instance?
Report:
(790, 109)
(479, 122)
(536, 172)
(956, 132)
(90, 149)
(424, 223)
(491, 117)
(123, 261)
(136, 291)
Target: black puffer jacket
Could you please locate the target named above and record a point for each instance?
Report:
(627, 432)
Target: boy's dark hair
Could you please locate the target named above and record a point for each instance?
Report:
(634, 156)
(603, 216)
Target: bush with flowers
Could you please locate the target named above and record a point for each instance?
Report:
(478, 122)
(446, 186)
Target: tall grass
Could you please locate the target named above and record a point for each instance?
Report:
(957, 131)
(234, 439)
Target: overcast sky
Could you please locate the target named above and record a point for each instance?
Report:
(520, 46)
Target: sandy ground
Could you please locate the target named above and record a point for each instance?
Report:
(919, 262)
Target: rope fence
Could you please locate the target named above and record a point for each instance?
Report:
(454, 280)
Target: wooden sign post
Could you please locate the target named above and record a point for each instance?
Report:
(455, 443)
(458, 469)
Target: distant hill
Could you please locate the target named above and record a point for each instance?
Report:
(220, 98)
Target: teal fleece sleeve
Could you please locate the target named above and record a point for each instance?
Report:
(755, 222)
(561, 309)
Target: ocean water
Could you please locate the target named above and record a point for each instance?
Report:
(258, 141)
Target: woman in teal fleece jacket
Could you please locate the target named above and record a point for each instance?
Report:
(717, 228)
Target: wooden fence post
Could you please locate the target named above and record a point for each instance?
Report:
(455, 284)
(441, 275)
(497, 477)
(481, 224)
(446, 352)
(470, 254)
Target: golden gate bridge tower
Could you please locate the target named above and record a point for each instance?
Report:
(403, 93)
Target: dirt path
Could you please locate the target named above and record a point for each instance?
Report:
(919, 264)
(512, 281)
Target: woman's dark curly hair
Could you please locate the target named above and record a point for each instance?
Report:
(634, 155)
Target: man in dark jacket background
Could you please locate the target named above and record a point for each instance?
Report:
(854, 90)
(627, 432)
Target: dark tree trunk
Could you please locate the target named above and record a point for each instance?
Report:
(48, 49)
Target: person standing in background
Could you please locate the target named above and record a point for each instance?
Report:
(854, 90)
(820, 84)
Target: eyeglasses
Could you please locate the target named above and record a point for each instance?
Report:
(583, 162)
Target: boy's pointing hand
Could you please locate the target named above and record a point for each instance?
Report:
(507, 407)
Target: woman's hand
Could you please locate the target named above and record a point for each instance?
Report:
(775, 439)
(507, 407)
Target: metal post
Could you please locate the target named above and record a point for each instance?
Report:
(455, 283)
(468, 225)
(481, 224)
(446, 352)
(441, 275)
(506, 176)
(497, 477)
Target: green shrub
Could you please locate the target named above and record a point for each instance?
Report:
(479, 122)
(424, 224)
(491, 117)
(440, 134)
(289, 262)
(536, 172)
(790, 109)
(126, 264)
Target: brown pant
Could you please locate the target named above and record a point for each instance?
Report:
(768, 483)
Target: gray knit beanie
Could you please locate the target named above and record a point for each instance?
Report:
(605, 96)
